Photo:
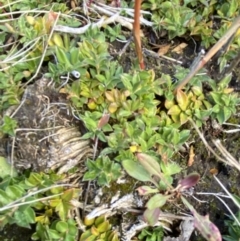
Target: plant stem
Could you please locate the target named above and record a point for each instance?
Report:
(223, 40)
(136, 33)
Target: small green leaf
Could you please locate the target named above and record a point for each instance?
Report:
(24, 218)
(74, 55)
(15, 191)
(4, 199)
(170, 168)
(151, 216)
(126, 80)
(62, 227)
(9, 125)
(150, 164)
(174, 110)
(100, 77)
(89, 175)
(62, 57)
(145, 190)
(136, 170)
(6, 169)
(53, 234)
(157, 201)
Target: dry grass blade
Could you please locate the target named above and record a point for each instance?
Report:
(20, 201)
(230, 160)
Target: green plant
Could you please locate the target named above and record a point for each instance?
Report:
(180, 17)
(99, 229)
(58, 230)
(148, 169)
(103, 170)
(114, 33)
(35, 199)
(9, 125)
(151, 234)
(224, 100)
(233, 229)
(195, 17)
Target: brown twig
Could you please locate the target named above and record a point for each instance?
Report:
(223, 40)
(136, 33)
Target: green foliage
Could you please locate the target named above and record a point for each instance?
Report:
(149, 169)
(34, 199)
(223, 101)
(99, 229)
(9, 125)
(220, 103)
(35, 4)
(180, 17)
(58, 230)
(192, 17)
(151, 234)
(139, 121)
(6, 169)
(114, 33)
(233, 229)
(103, 170)
(144, 114)
(148, 166)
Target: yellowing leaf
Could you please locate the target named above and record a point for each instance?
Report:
(113, 108)
(92, 105)
(169, 103)
(196, 90)
(133, 148)
(30, 20)
(109, 96)
(174, 110)
(182, 100)
(183, 118)
(57, 39)
(228, 90)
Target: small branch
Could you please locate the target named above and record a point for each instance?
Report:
(136, 33)
(152, 54)
(114, 16)
(223, 40)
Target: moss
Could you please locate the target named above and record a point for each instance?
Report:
(123, 188)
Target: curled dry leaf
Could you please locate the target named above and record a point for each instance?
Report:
(179, 49)
(104, 120)
(191, 156)
(189, 181)
(163, 49)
